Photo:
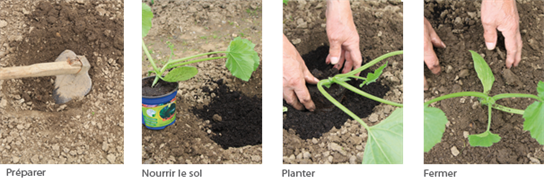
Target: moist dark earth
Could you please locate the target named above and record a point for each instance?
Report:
(161, 88)
(235, 119)
(310, 125)
(459, 26)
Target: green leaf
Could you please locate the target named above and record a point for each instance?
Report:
(434, 126)
(147, 15)
(534, 120)
(484, 72)
(181, 74)
(285, 2)
(534, 116)
(242, 60)
(485, 139)
(372, 77)
(384, 144)
(540, 89)
(285, 109)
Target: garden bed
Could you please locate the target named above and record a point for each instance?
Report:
(33, 128)
(466, 115)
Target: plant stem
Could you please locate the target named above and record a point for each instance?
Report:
(508, 109)
(496, 97)
(339, 105)
(167, 65)
(357, 77)
(149, 57)
(371, 63)
(194, 61)
(511, 95)
(460, 94)
(356, 90)
(194, 56)
(488, 117)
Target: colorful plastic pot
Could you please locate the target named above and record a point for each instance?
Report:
(158, 112)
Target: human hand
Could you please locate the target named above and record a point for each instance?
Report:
(295, 76)
(430, 39)
(343, 37)
(503, 16)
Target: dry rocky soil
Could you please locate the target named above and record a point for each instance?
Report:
(213, 104)
(459, 26)
(33, 129)
(331, 136)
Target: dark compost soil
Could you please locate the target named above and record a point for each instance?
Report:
(313, 124)
(235, 119)
(458, 24)
(161, 88)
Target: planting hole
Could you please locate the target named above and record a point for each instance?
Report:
(313, 124)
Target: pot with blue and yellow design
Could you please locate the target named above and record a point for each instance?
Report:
(158, 112)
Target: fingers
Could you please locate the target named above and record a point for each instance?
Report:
(430, 58)
(430, 39)
(298, 97)
(490, 35)
(425, 85)
(502, 16)
(291, 99)
(512, 42)
(308, 77)
(353, 56)
(435, 40)
(295, 76)
(305, 98)
(520, 48)
(339, 63)
(335, 51)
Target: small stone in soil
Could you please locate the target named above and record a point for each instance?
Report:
(454, 151)
(217, 118)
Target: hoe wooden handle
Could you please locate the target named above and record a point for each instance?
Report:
(42, 69)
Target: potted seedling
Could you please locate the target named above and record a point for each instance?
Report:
(384, 143)
(159, 111)
(435, 119)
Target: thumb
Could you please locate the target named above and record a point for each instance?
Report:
(335, 52)
(490, 35)
(309, 77)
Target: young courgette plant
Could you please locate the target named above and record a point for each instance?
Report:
(241, 57)
(435, 119)
(384, 143)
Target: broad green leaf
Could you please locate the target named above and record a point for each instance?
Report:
(484, 72)
(534, 116)
(434, 126)
(242, 60)
(384, 144)
(372, 77)
(181, 74)
(147, 15)
(285, 2)
(485, 139)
